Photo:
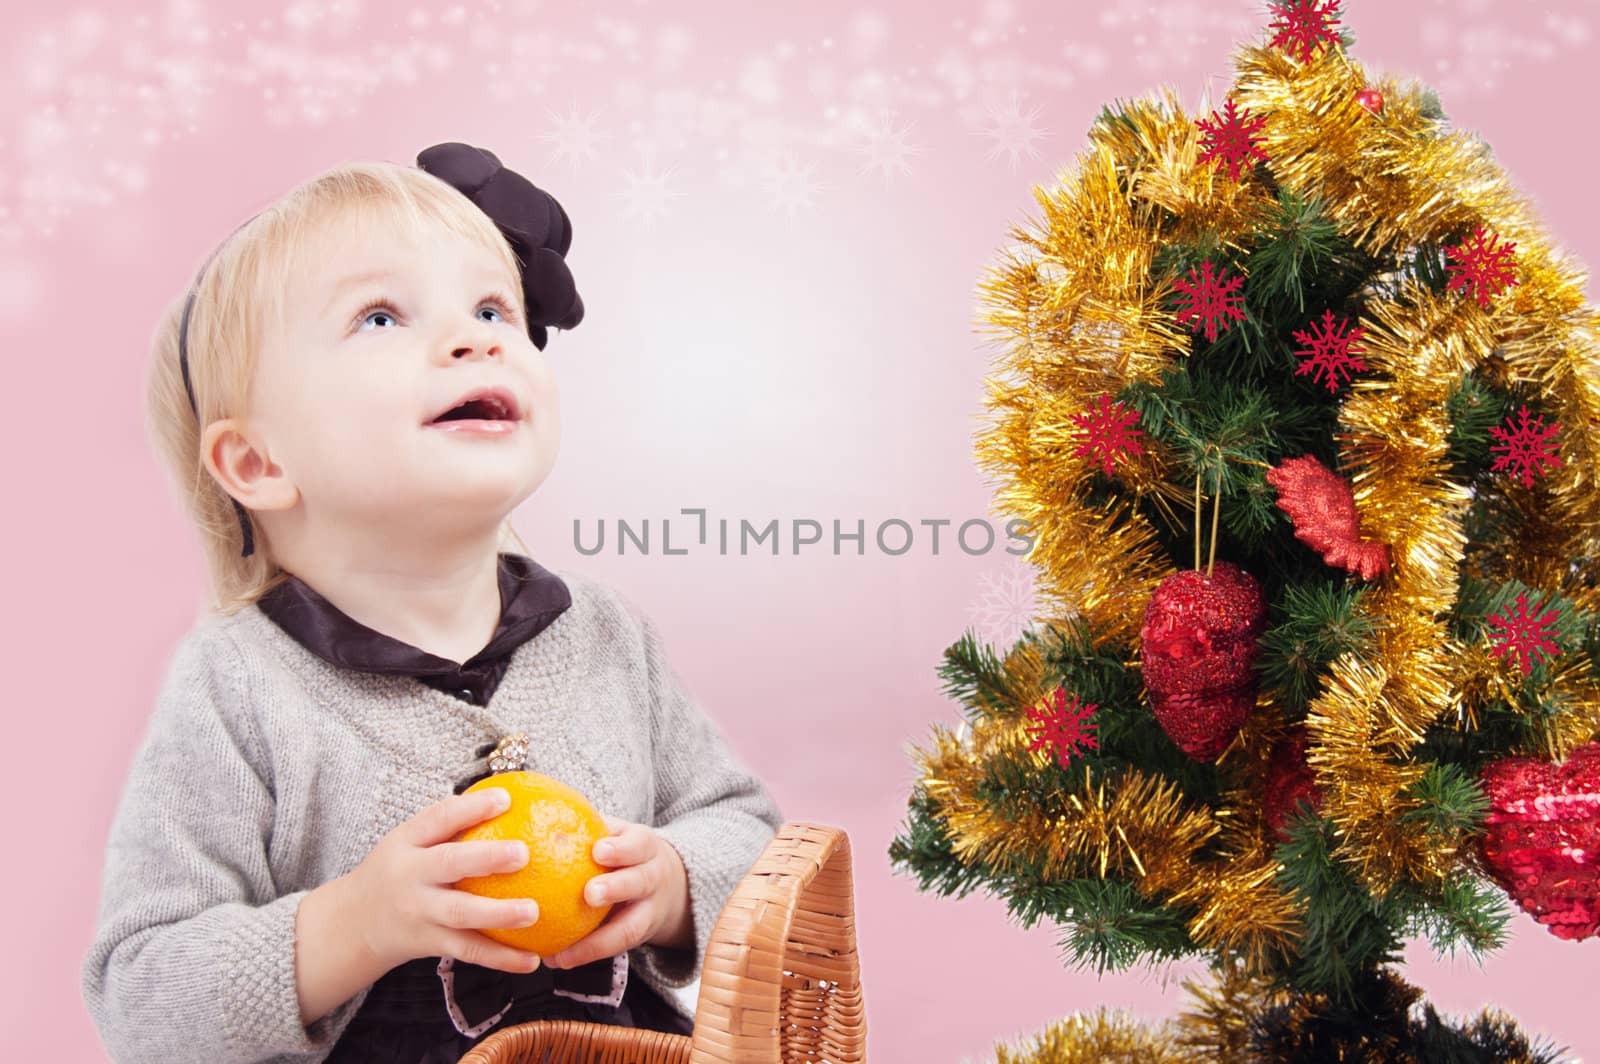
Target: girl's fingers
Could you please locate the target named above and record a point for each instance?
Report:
(629, 884)
(604, 890)
(451, 862)
(447, 817)
(475, 948)
(627, 928)
(462, 909)
(633, 845)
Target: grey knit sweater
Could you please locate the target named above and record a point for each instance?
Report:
(266, 771)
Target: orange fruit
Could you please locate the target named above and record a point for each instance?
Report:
(560, 827)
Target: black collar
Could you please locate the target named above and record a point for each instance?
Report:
(531, 597)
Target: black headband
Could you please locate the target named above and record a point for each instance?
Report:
(530, 219)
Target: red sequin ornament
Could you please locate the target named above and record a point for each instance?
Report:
(1542, 838)
(1200, 641)
(1323, 510)
(1371, 99)
(1289, 781)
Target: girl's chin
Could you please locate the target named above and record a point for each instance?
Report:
(479, 485)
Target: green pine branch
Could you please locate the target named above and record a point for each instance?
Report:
(1348, 933)
(1105, 924)
(1301, 263)
(1474, 409)
(974, 675)
(1452, 803)
(1311, 626)
(1465, 913)
(1228, 433)
(1109, 926)
(922, 848)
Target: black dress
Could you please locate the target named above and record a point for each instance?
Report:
(404, 1019)
(416, 1013)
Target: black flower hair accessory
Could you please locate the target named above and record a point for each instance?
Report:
(534, 224)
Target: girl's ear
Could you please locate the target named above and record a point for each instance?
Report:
(236, 458)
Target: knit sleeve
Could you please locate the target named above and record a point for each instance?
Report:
(192, 958)
(708, 806)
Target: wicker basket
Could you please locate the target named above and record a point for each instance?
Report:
(781, 983)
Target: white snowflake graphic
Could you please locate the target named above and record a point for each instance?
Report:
(885, 149)
(1014, 133)
(98, 96)
(1006, 606)
(573, 136)
(646, 193)
(790, 185)
(1480, 44)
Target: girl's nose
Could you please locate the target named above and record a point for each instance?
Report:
(476, 337)
(487, 346)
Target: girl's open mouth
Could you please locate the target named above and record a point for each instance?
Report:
(488, 414)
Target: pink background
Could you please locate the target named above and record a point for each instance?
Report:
(781, 217)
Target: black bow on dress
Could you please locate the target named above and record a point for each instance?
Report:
(477, 997)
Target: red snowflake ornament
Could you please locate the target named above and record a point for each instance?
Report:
(1304, 26)
(1063, 728)
(1526, 446)
(1330, 351)
(1323, 509)
(1211, 299)
(1525, 634)
(1486, 267)
(1231, 139)
(1110, 432)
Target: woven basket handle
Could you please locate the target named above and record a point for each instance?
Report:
(781, 979)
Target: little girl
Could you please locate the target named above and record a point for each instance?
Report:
(353, 399)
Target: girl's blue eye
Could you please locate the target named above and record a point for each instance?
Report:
(376, 311)
(382, 307)
(501, 304)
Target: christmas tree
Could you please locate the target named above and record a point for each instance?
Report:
(1303, 409)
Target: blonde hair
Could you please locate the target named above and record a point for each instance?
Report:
(237, 297)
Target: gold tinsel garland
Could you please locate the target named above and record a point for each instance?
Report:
(1102, 1036)
(1076, 309)
(1217, 1029)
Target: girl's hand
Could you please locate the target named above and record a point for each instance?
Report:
(405, 904)
(649, 892)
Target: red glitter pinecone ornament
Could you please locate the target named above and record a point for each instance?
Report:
(1323, 510)
(1289, 781)
(1542, 838)
(1200, 641)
